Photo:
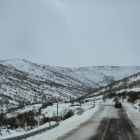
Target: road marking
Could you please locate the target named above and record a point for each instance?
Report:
(105, 130)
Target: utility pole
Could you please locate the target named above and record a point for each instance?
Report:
(139, 102)
(139, 105)
(57, 113)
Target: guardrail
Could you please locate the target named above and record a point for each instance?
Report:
(30, 134)
(92, 107)
(80, 112)
(135, 107)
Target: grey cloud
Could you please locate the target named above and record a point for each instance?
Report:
(71, 33)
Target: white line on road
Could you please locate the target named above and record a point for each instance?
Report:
(106, 129)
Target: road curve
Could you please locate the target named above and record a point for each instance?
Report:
(108, 123)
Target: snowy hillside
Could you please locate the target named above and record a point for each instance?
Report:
(94, 76)
(18, 87)
(28, 88)
(128, 88)
(23, 82)
(55, 74)
(104, 75)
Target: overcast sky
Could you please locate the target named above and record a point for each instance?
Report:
(71, 33)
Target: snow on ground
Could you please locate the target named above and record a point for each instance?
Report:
(136, 104)
(108, 101)
(65, 126)
(23, 110)
(50, 111)
(73, 122)
(19, 131)
(136, 89)
(133, 114)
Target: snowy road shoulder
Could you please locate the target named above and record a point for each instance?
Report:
(133, 114)
(66, 126)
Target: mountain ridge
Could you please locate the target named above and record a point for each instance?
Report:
(29, 82)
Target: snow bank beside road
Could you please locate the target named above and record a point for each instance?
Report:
(133, 114)
(66, 126)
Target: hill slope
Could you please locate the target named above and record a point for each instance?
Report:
(126, 88)
(24, 81)
(94, 76)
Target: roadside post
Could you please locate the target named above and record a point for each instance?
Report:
(139, 102)
(94, 100)
(57, 112)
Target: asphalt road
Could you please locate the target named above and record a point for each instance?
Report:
(108, 123)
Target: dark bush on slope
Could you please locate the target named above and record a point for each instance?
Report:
(22, 120)
(2, 119)
(28, 118)
(111, 95)
(69, 114)
(132, 96)
(12, 122)
(44, 105)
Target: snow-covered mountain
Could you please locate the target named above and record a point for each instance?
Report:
(94, 76)
(18, 86)
(22, 80)
(104, 75)
(128, 87)
(55, 74)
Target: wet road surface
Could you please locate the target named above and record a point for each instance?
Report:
(108, 123)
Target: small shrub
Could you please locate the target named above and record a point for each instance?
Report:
(111, 95)
(46, 119)
(44, 105)
(39, 111)
(2, 119)
(12, 123)
(69, 114)
(28, 118)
